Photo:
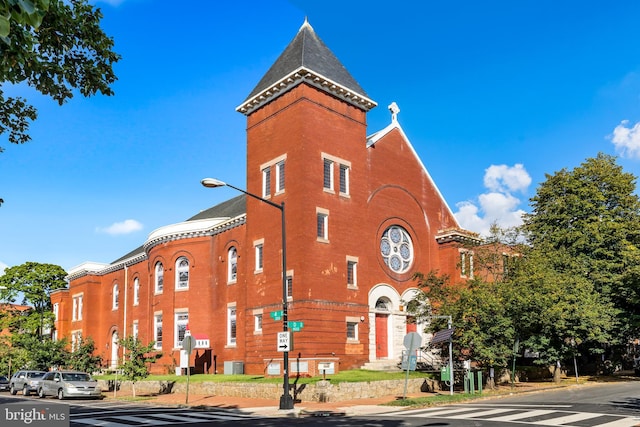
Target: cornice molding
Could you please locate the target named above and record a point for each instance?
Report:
(162, 235)
(305, 75)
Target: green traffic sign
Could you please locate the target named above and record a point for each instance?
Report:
(276, 315)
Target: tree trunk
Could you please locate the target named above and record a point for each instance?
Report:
(556, 373)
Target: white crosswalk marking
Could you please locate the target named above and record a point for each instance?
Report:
(155, 418)
(550, 417)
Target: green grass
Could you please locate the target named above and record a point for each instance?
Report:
(356, 375)
(437, 399)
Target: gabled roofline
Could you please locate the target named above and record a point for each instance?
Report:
(377, 136)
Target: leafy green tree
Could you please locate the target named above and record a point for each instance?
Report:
(137, 358)
(82, 358)
(55, 47)
(35, 353)
(33, 282)
(558, 314)
(586, 222)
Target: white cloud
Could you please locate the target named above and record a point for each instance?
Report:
(2, 267)
(503, 178)
(125, 227)
(627, 139)
(497, 205)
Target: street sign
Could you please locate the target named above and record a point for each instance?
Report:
(285, 341)
(276, 315)
(412, 341)
(188, 343)
(295, 326)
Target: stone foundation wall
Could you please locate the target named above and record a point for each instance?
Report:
(322, 391)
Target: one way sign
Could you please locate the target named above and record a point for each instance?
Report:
(285, 341)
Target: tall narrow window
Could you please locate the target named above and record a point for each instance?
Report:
(322, 225)
(280, 176)
(259, 256)
(289, 285)
(136, 291)
(56, 310)
(352, 272)
(182, 273)
(159, 277)
(232, 266)
(344, 179)
(181, 322)
(157, 330)
(266, 182)
(231, 325)
(135, 329)
(257, 323)
(116, 297)
(352, 331)
(466, 264)
(76, 312)
(328, 174)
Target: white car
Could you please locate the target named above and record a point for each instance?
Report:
(65, 384)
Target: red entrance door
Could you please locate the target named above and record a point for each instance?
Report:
(381, 336)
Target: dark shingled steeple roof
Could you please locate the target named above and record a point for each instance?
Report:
(307, 58)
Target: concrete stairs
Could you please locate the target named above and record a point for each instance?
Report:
(381, 365)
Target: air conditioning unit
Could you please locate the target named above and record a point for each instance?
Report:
(233, 368)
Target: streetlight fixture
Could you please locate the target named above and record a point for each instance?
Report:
(286, 401)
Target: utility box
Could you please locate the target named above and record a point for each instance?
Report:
(233, 368)
(445, 373)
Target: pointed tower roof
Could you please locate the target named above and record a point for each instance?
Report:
(307, 59)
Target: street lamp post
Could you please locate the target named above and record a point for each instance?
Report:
(286, 401)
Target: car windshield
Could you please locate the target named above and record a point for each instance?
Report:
(34, 374)
(76, 377)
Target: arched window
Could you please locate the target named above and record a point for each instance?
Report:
(116, 296)
(159, 277)
(182, 273)
(232, 272)
(382, 305)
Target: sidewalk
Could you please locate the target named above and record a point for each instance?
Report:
(270, 408)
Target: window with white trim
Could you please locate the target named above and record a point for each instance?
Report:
(136, 291)
(232, 265)
(266, 182)
(259, 255)
(352, 272)
(116, 297)
(180, 325)
(182, 273)
(76, 340)
(257, 323)
(280, 176)
(352, 329)
(76, 312)
(289, 286)
(322, 224)
(344, 179)
(135, 329)
(159, 277)
(56, 310)
(157, 330)
(231, 325)
(328, 174)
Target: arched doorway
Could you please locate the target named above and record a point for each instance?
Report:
(382, 328)
(114, 350)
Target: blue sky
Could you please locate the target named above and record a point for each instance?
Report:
(493, 96)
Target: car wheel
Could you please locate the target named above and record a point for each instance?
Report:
(25, 391)
(13, 390)
(40, 393)
(60, 394)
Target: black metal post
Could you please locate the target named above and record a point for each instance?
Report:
(286, 400)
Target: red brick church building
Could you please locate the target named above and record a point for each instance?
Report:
(362, 216)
